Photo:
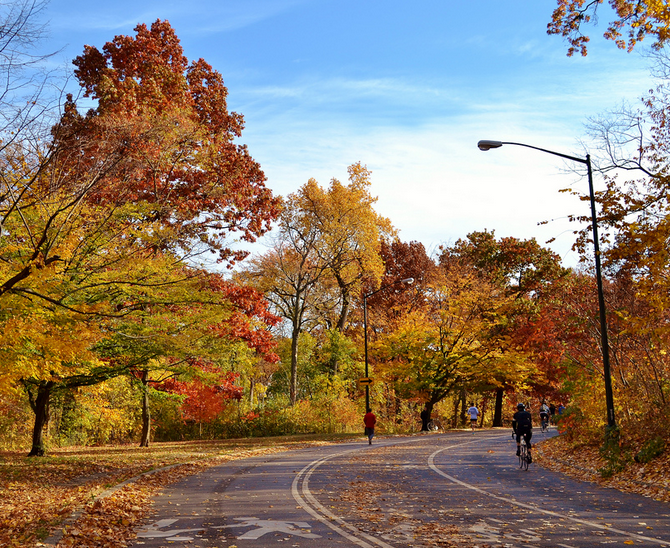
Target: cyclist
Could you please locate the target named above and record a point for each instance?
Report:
(544, 416)
(522, 424)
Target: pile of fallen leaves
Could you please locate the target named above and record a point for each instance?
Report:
(66, 498)
(585, 462)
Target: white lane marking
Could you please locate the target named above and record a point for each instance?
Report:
(325, 516)
(265, 526)
(432, 466)
(154, 531)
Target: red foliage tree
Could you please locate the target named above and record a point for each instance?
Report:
(204, 401)
(161, 135)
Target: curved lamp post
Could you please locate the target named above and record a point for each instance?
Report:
(609, 398)
(365, 330)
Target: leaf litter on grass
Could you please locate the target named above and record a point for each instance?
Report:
(38, 495)
(584, 462)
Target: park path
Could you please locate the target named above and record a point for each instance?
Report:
(450, 490)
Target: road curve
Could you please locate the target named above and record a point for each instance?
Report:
(451, 490)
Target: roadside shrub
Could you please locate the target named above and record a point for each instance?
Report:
(615, 456)
(651, 449)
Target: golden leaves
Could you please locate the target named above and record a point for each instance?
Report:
(639, 18)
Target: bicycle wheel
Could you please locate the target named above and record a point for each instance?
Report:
(523, 456)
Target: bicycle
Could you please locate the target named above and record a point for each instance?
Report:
(524, 458)
(545, 424)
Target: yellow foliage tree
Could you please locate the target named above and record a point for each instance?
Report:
(639, 18)
(350, 232)
(452, 341)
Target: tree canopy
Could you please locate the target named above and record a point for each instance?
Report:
(633, 20)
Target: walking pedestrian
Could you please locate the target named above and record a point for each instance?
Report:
(369, 420)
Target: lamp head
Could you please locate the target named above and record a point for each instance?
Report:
(407, 281)
(485, 144)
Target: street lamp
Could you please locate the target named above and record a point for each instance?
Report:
(609, 398)
(365, 331)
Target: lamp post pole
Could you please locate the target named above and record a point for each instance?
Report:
(609, 398)
(365, 331)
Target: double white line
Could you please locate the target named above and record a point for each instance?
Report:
(303, 496)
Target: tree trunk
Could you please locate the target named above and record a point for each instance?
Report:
(341, 324)
(425, 416)
(497, 415)
(461, 400)
(293, 387)
(40, 406)
(346, 302)
(146, 411)
(484, 408)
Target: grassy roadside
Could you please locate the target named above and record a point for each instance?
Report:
(39, 497)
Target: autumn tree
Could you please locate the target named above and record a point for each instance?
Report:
(633, 20)
(148, 180)
(350, 232)
(291, 276)
(632, 146)
(187, 329)
(522, 267)
(160, 142)
(327, 244)
(402, 260)
(205, 395)
(527, 273)
(452, 342)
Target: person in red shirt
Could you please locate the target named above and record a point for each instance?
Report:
(370, 420)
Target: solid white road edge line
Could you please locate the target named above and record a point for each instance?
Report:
(432, 466)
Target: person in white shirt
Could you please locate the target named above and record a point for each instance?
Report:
(544, 416)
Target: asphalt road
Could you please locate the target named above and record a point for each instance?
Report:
(449, 490)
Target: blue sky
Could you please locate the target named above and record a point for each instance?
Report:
(407, 88)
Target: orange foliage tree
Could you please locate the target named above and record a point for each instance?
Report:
(530, 275)
(104, 218)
